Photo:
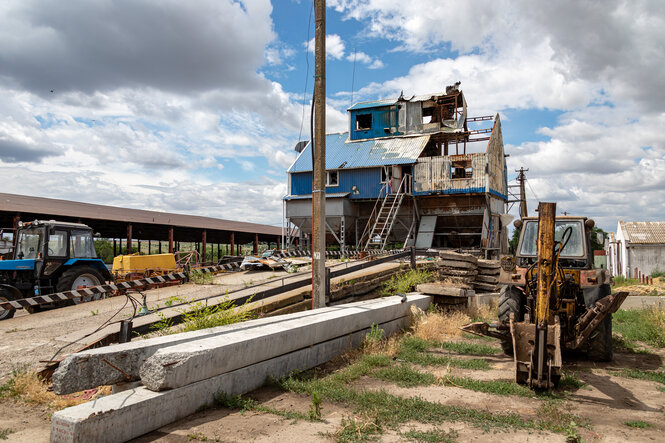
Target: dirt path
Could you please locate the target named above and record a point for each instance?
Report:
(603, 404)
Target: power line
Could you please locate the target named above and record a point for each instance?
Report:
(304, 92)
(532, 191)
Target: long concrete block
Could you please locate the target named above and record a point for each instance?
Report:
(122, 362)
(129, 414)
(197, 360)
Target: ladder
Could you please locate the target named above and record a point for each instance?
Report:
(386, 215)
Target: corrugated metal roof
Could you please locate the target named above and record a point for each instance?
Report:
(309, 196)
(373, 104)
(341, 154)
(54, 208)
(644, 232)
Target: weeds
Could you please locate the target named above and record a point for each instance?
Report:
(4, 433)
(657, 273)
(354, 430)
(497, 387)
(95, 312)
(645, 325)
(202, 316)
(314, 412)
(406, 282)
(30, 388)
(201, 278)
(637, 424)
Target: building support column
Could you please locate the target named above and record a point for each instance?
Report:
(232, 241)
(129, 239)
(204, 246)
(171, 240)
(114, 247)
(256, 244)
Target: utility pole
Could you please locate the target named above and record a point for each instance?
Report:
(521, 179)
(319, 166)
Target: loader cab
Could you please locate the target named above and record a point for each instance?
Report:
(572, 230)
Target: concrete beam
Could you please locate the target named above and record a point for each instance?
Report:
(189, 362)
(97, 367)
(134, 412)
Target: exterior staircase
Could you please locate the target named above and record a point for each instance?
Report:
(383, 218)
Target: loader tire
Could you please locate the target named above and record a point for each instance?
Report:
(599, 346)
(78, 276)
(510, 301)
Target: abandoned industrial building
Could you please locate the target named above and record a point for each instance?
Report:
(409, 171)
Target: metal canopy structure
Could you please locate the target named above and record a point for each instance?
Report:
(113, 222)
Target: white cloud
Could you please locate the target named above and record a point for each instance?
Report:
(335, 46)
(361, 57)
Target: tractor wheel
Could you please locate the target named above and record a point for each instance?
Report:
(599, 343)
(510, 301)
(5, 313)
(79, 276)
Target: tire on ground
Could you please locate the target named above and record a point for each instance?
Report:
(67, 279)
(510, 301)
(599, 343)
(6, 313)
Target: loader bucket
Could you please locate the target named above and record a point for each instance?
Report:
(537, 354)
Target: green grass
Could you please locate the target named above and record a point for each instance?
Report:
(620, 281)
(637, 424)
(496, 387)
(406, 281)
(470, 348)
(639, 374)
(4, 433)
(434, 436)
(414, 350)
(645, 325)
(239, 402)
(570, 381)
(657, 273)
(404, 376)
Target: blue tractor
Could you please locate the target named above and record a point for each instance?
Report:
(50, 257)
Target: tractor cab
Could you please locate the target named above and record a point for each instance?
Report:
(50, 257)
(54, 241)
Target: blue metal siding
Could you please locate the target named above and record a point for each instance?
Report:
(368, 182)
(382, 120)
(301, 183)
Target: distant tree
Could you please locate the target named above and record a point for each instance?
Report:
(595, 245)
(514, 240)
(104, 250)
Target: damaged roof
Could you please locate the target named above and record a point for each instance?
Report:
(342, 154)
(644, 232)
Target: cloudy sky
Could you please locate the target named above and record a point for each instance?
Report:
(195, 106)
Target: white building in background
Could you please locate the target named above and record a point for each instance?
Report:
(636, 245)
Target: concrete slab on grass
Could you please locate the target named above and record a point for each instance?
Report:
(189, 362)
(129, 414)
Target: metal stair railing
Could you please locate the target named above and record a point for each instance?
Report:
(386, 218)
(374, 215)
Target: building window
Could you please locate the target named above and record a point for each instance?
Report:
(363, 122)
(332, 178)
(462, 169)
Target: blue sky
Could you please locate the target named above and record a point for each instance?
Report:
(195, 107)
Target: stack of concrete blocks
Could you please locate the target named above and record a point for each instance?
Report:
(456, 269)
(487, 279)
(182, 373)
